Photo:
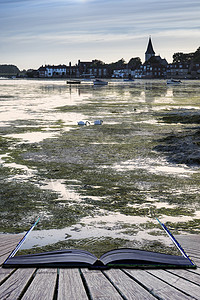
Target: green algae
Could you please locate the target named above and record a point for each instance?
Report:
(92, 156)
(185, 117)
(191, 226)
(73, 156)
(5, 144)
(22, 203)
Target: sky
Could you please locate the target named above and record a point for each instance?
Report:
(38, 32)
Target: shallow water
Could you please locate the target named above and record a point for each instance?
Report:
(31, 112)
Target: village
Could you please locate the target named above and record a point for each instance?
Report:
(184, 66)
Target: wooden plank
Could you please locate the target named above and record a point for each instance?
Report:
(6, 238)
(196, 271)
(185, 286)
(3, 258)
(47, 270)
(99, 286)
(195, 260)
(127, 286)
(157, 287)
(191, 247)
(14, 286)
(195, 278)
(70, 285)
(193, 253)
(10, 235)
(4, 273)
(189, 241)
(43, 285)
(8, 242)
(7, 248)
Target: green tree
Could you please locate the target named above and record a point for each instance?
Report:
(9, 69)
(120, 64)
(134, 63)
(180, 57)
(196, 59)
(97, 63)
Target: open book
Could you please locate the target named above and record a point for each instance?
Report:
(122, 257)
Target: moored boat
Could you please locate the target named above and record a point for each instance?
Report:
(173, 81)
(73, 82)
(128, 79)
(99, 82)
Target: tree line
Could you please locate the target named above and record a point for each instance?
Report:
(187, 58)
(9, 69)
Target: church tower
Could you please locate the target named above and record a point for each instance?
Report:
(150, 52)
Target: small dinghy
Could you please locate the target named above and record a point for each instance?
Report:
(73, 82)
(99, 82)
(173, 81)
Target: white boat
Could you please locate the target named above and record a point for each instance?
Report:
(99, 82)
(173, 81)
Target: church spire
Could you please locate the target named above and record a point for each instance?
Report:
(150, 52)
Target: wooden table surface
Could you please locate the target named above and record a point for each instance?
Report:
(84, 284)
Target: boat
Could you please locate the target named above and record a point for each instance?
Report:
(99, 82)
(128, 79)
(73, 82)
(173, 81)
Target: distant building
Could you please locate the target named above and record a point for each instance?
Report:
(149, 52)
(154, 66)
(91, 69)
(86, 69)
(99, 72)
(42, 72)
(121, 73)
(195, 71)
(178, 70)
(52, 71)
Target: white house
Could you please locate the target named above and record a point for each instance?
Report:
(52, 71)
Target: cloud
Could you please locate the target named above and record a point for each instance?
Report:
(93, 15)
(50, 25)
